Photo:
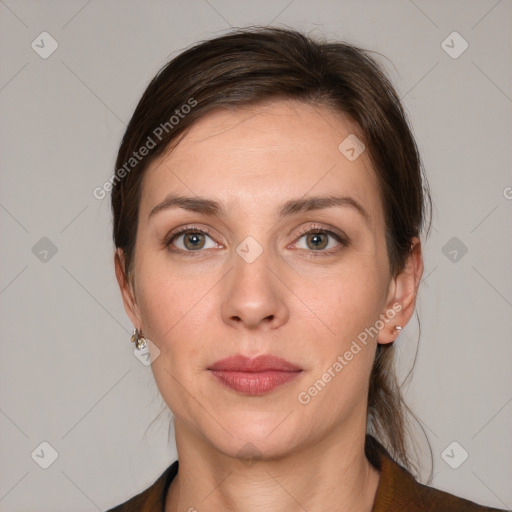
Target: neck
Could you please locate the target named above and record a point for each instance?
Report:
(333, 474)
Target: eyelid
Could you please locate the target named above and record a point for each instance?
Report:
(185, 229)
(339, 236)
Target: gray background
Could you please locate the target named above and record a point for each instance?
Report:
(68, 374)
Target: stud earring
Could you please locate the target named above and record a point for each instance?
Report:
(398, 328)
(138, 339)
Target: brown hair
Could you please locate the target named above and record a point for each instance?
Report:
(258, 64)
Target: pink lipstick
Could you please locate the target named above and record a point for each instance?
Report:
(256, 376)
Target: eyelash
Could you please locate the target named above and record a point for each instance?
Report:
(343, 240)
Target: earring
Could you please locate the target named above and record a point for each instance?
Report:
(138, 339)
(398, 328)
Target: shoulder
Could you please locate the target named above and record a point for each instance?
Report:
(151, 499)
(398, 490)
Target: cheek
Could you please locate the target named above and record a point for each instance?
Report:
(347, 305)
(347, 300)
(176, 312)
(342, 357)
(163, 295)
(169, 309)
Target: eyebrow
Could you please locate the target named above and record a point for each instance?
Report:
(293, 206)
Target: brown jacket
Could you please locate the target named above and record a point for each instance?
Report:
(397, 490)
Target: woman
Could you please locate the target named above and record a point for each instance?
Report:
(268, 203)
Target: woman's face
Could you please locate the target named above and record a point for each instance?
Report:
(245, 279)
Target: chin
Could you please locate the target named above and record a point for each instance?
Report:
(255, 435)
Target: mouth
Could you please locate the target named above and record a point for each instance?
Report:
(256, 376)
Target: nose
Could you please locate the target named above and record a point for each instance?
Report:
(254, 295)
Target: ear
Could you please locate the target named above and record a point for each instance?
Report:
(127, 292)
(402, 293)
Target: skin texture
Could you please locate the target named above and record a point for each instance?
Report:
(291, 301)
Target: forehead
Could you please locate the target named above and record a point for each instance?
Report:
(264, 154)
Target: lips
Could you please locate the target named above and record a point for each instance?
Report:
(254, 376)
(263, 363)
